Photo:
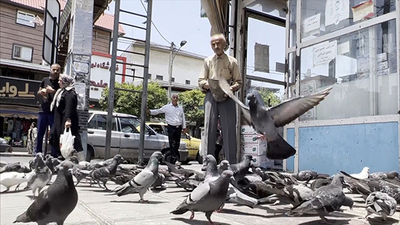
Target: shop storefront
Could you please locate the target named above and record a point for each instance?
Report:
(18, 108)
(352, 46)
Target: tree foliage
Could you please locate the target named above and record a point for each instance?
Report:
(269, 97)
(130, 101)
(193, 106)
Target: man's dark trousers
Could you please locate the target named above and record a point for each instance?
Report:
(174, 137)
(45, 119)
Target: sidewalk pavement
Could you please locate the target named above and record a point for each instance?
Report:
(97, 206)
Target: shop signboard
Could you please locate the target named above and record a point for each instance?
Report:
(100, 73)
(16, 91)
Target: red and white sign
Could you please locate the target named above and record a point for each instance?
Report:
(100, 73)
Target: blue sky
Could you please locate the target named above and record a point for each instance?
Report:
(176, 20)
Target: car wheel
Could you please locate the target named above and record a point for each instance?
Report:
(90, 153)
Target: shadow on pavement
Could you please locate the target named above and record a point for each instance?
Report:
(194, 221)
(330, 221)
(138, 202)
(379, 221)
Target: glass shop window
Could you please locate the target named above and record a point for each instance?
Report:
(322, 17)
(362, 69)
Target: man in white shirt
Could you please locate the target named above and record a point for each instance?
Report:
(175, 118)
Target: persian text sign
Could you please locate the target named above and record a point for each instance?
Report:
(323, 53)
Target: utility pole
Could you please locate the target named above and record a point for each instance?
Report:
(171, 64)
(79, 58)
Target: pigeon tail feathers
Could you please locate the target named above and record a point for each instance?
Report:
(279, 149)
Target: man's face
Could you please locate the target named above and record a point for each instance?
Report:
(174, 99)
(218, 45)
(55, 70)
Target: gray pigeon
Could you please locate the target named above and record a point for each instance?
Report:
(55, 203)
(211, 167)
(41, 176)
(381, 204)
(16, 167)
(207, 197)
(266, 121)
(103, 174)
(325, 200)
(144, 180)
(223, 165)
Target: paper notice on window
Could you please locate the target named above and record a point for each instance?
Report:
(336, 11)
(323, 53)
(80, 89)
(363, 11)
(312, 23)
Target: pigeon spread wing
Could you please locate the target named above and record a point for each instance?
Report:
(38, 210)
(287, 111)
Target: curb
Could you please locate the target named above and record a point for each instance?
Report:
(16, 154)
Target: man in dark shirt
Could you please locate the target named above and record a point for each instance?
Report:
(46, 92)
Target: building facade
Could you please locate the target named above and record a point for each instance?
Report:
(185, 69)
(21, 64)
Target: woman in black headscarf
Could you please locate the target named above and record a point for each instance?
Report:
(64, 106)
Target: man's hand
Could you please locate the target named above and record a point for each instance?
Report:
(68, 123)
(43, 92)
(50, 90)
(234, 88)
(184, 130)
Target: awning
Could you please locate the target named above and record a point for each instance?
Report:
(14, 111)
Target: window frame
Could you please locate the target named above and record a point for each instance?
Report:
(20, 58)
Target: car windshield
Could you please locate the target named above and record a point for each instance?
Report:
(131, 125)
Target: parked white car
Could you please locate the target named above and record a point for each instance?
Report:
(125, 137)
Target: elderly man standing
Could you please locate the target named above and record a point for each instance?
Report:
(220, 66)
(175, 118)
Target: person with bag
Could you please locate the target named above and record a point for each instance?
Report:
(64, 106)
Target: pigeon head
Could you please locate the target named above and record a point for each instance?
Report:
(118, 158)
(227, 174)
(38, 161)
(392, 174)
(156, 156)
(65, 166)
(338, 180)
(255, 98)
(209, 159)
(74, 159)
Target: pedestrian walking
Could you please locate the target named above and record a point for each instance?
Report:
(175, 118)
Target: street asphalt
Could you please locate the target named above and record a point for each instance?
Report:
(97, 206)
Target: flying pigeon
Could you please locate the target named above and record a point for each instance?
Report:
(266, 121)
(207, 197)
(9, 179)
(55, 203)
(145, 179)
(41, 176)
(325, 200)
(104, 173)
(381, 204)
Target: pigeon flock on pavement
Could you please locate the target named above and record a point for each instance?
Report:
(308, 192)
(219, 183)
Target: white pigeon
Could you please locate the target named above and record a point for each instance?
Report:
(144, 180)
(362, 175)
(9, 179)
